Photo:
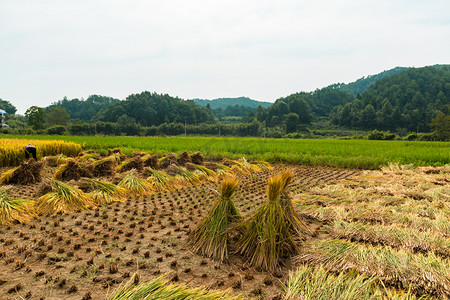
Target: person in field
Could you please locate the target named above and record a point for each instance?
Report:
(30, 149)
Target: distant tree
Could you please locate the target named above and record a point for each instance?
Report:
(261, 114)
(368, 117)
(300, 107)
(441, 125)
(7, 106)
(292, 121)
(277, 111)
(35, 117)
(57, 116)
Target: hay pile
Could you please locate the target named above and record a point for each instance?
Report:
(104, 167)
(150, 161)
(132, 163)
(270, 233)
(197, 158)
(72, 169)
(27, 173)
(183, 158)
(167, 160)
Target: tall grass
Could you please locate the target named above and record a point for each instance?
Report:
(363, 154)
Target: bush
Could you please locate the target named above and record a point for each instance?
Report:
(411, 137)
(381, 135)
(57, 130)
(375, 135)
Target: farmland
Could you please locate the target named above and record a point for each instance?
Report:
(360, 154)
(381, 233)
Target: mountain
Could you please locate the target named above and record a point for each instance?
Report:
(225, 102)
(362, 84)
(410, 99)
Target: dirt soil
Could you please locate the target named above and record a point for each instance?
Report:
(86, 255)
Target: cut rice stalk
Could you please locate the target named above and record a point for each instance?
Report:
(63, 198)
(159, 288)
(212, 235)
(159, 180)
(134, 185)
(309, 283)
(267, 234)
(5, 178)
(105, 192)
(14, 209)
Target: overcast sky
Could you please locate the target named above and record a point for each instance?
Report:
(209, 49)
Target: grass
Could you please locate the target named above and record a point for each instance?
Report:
(362, 154)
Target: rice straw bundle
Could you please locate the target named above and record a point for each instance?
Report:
(63, 198)
(267, 235)
(134, 185)
(105, 192)
(212, 235)
(13, 209)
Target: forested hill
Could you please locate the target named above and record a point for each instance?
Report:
(225, 102)
(149, 109)
(410, 99)
(83, 109)
(362, 84)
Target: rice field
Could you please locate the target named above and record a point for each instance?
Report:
(107, 225)
(11, 152)
(360, 154)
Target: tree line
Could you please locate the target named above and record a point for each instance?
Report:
(412, 100)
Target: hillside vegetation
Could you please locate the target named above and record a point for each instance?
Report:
(404, 101)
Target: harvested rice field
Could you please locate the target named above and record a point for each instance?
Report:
(112, 226)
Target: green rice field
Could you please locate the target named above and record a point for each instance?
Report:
(360, 154)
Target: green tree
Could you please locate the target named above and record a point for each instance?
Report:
(277, 111)
(35, 117)
(441, 125)
(292, 121)
(7, 106)
(368, 117)
(57, 116)
(300, 107)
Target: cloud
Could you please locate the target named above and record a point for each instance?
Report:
(261, 49)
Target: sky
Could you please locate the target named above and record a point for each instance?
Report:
(51, 49)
